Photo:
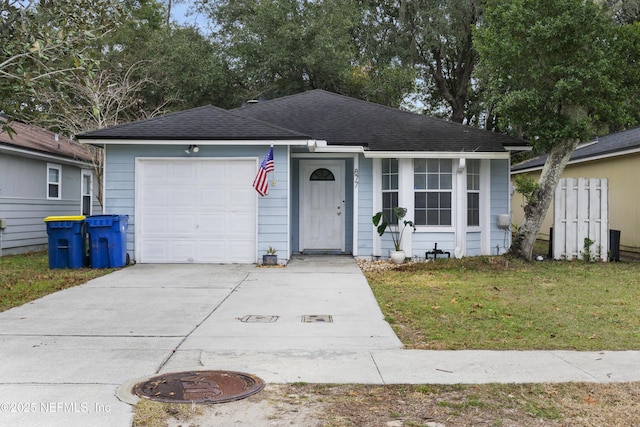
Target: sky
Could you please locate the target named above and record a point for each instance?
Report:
(179, 13)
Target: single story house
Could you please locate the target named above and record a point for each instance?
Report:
(615, 157)
(185, 181)
(41, 174)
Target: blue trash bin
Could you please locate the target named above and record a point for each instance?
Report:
(66, 241)
(107, 240)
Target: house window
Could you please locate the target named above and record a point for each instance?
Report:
(87, 186)
(389, 188)
(54, 181)
(432, 182)
(473, 192)
(322, 174)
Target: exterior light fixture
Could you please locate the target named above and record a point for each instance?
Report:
(192, 148)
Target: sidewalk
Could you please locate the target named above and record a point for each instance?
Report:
(66, 356)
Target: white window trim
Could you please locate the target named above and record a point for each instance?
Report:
(59, 183)
(485, 207)
(89, 173)
(406, 199)
(453, 190)
(392, 190)
(377, 204)
(479, 191)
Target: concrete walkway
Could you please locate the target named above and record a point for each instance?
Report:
(71, 358)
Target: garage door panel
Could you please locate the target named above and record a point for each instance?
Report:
(239, 171)
(240, 200)
(183, 250)
(214, 173)
(238, 251)
(156, 171)
(186, 198)
(155, 198)
(197, 210)
(212, 251)
(155, 224)
(213, 224)
(183, 224)
(183, 173)
(240, 224)
(212, 198)
(156, 250)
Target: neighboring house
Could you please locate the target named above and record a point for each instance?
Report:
(338, 160)
(41, 175)
(615, 157)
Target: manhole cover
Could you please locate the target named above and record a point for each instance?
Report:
(257, 318)
(317, 318)
(199, 387)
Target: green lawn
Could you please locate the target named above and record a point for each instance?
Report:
(26, 277)
(496, 303)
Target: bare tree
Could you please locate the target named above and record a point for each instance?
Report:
(96, 100)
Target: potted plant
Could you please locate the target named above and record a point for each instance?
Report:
(270, 258)
(383, 223)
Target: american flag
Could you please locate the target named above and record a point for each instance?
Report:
(260, 183)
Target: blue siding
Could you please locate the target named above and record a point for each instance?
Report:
(423, 242)
(272, 209)
(348, 194)
(500, 204)
(295, 205)
(474, 247)
(365, 207)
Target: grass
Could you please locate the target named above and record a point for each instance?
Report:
(154, 414)
(495, 303)
(26, 277)
(574, 404)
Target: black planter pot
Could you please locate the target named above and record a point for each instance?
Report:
(270, 259)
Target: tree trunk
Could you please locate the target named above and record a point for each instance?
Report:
(538, 205)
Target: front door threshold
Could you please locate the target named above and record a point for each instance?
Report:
(324, 252)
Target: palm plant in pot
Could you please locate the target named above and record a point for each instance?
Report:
(270, 258)
(383, 223)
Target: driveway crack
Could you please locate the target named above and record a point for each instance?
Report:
(373, 359)
(168, 358)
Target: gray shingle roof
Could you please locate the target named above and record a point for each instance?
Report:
(316, 114)
(602, 146)
(341, 120)
(202, 123)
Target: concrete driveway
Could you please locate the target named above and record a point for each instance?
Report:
(66, 355)
(71, 358)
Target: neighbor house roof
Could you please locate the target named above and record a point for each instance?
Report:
(202, 123)
(36, 140)
(605, 146)
(341, 120)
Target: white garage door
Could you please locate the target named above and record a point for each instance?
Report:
(196, 211)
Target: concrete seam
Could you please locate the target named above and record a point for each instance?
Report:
(377, 368)
(168, 358)
(574, 366)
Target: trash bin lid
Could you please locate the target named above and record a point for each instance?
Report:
(64, 218)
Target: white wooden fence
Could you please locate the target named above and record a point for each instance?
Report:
(581, 211)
